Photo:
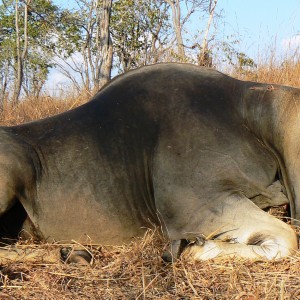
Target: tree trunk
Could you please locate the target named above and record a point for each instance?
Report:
(105, 66)
(19, 66)
(204, 58)
(21, 55)
(4, 86)
(176, 15)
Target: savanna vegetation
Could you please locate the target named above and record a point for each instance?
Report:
(87, 44)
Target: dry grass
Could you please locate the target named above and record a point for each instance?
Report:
(271, 68)
(287, 73)
(136, 271)
(33, 109)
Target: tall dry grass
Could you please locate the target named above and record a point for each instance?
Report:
(285, 73)
(273, 68)
(30, 109)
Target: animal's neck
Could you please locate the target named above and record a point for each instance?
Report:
(263, 110)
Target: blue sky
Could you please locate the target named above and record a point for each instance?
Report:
(263, 22)
(275, 16)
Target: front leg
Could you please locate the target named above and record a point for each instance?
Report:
(258, 235)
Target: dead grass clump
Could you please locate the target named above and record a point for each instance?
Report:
(137, 271)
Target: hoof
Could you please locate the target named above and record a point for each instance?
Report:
(167, 257)
(177, 247)
(200, 241)
(80, 257)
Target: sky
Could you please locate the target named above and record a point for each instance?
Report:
(263, 23)
(260, 26)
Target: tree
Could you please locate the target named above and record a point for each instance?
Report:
(136, 32)
(204, 58)
(36, 72)
(178, 20)
(104, 70)
(5, 75)
(27, 44)
(86, 55)
(6, 46)
(140, 32)
(21, 47)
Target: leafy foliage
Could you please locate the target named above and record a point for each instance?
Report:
(45, 21)
(140, 31)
